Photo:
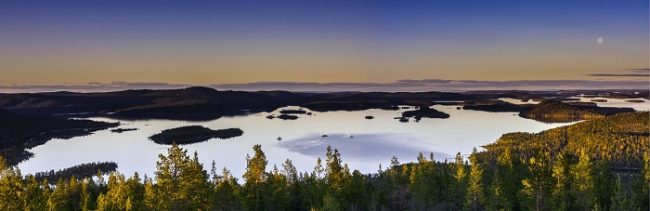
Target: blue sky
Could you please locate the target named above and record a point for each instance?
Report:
(205, 42)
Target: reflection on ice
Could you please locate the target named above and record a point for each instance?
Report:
(373, 146)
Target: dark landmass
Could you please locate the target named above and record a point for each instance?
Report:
(270, 117)
(121, 130)
(551, 110)
(80, 171)
(349, 106)
(369, 117)
(599, 100)
(293, 111)
(621, 139)
(21, 132)
(287, 117)
(556, 111)
(619, 94)
(635, 101)
(200, 103)
(425, 112)
(193, 134)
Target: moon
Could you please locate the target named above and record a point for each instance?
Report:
(600, 40)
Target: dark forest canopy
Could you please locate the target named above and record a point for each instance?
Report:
(287, 117)
(621, 140)
(84, 170)
(20, 132)
(193, 134)
(550, 110)
(519, 172)
(425, 112)
(556, 111)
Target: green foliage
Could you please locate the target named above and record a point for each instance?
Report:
(475, 193)
(545, 171)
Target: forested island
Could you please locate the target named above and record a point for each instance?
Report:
(85, 170)
(193, 134)
(601, 164)
(550, 110)
(424, 112)
(287, 117)
(121, 130)
(556, 111)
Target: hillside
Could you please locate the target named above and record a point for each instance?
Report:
(556, 111)
(20, 132)
(620, 139)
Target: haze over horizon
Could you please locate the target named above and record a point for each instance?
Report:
(323, 45)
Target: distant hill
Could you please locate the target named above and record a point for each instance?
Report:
(202, 103)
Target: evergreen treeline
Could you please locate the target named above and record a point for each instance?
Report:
(78, 171)
(507, 176)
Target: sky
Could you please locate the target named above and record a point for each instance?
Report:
(232, 43)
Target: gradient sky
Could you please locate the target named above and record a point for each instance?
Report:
(208, 42)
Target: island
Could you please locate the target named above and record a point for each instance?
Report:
(85, 170)
(425, 112)
(121, 130)
(193, 134)
(635, 101)
(287, 117)
(293, 111)
(556, 111)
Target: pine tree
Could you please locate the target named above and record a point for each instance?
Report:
(422, 182)
(642, 185)
(87, 199)
(562, 195)
(227, 192)
(475, 194)
(150, 195)
(336, 176)
(182, 179)
(255, 177)
(59, 198)
(194, 185)
(620, 199)
(539, 183)
(583, 185)
(461, 180)
(11, 187)
(604, 183)
(34, 197)
(503, 189)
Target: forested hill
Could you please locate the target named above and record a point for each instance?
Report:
(620, 139)
(557, 111)
(20, 132)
